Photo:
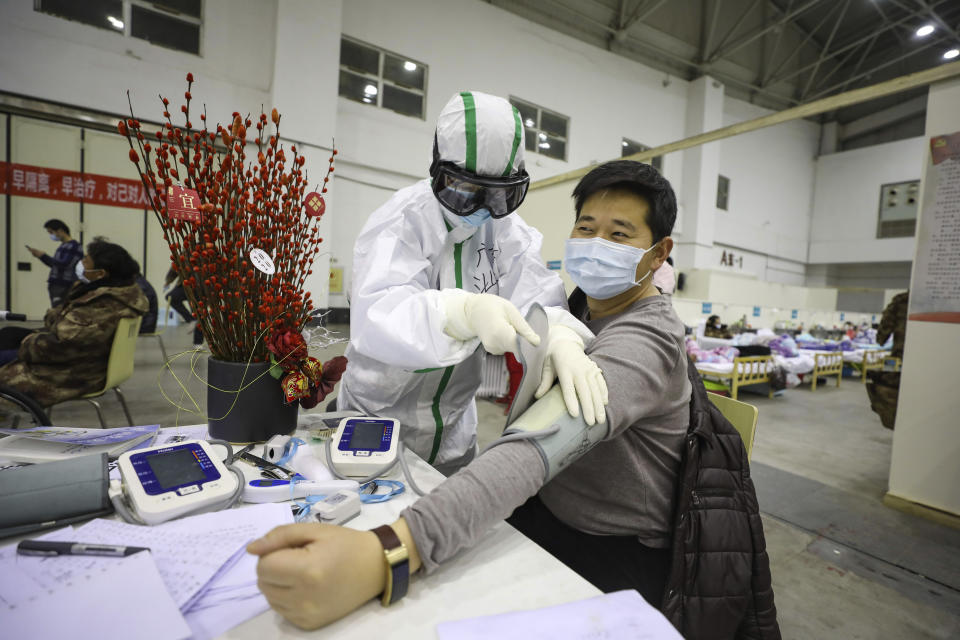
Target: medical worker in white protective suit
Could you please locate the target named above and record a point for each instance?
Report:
(441, 272)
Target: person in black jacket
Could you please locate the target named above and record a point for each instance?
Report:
(619, 512)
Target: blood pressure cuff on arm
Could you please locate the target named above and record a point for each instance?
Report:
(572, 439)
(40, 496)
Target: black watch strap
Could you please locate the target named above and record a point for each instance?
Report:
(398, 565)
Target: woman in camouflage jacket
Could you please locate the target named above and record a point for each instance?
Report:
(67, 358)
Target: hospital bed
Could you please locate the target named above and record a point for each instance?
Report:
(739, 373)
(866, 360)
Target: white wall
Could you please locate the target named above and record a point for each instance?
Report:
(926, 442)
(48, 57)
(771, 175)
(253, 53)
(847, 198)
(286, 54)
(605, 96)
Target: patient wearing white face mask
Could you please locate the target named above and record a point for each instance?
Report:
(612, 514)
(67, 357)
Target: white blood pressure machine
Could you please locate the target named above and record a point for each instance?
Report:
(363, 445)
(168, 481)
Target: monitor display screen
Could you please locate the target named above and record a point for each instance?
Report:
(176, 468)
(367, 435)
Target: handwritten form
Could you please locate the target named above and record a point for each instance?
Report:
(54, 598)
(191, 551)
(621, 615)
(197, 565)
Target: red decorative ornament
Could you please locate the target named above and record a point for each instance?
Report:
(288, 348)
(332, 371)
(314, 204)
(295, 386)
(183, 204)
(312, 368)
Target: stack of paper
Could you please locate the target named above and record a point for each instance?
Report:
(200, 566)
(44, 444)
(621, 615)
(51, 598)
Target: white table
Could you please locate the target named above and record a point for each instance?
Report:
(504, 572)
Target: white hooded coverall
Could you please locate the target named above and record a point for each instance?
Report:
(409, 256)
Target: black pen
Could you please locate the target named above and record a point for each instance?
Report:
(50, 548)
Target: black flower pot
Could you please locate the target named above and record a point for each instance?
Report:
(245, 403)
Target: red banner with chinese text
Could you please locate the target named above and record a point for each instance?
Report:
(71, 186)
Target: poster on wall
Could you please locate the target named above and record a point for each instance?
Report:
(935, 294)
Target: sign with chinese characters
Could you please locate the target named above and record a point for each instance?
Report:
(730, 259)
(756, 312)
(262, 261)
(935, 291)
(794, 314)
(71, 186)
(183, 204)
(553, 265)
(843, 316)
(707, 307)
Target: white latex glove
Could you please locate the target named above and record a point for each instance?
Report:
(580, 377)
(491, 318)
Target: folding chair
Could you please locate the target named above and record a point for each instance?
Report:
(741, 415)
(119, 366)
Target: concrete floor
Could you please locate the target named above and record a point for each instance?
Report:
(844, 565)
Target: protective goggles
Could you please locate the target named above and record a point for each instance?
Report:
(464, 193)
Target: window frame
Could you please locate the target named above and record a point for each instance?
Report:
(656, 162)
(146, 5)
(539, 131)
(725, 192)
(380, 81)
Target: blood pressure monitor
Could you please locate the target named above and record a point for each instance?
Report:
(165, 482)
(364, 445)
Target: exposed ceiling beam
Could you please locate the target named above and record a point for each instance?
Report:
(890, 87)
(640, 17)
(926, 8)
(709, 12)
(796, 50)
(885, 118)
(756, 33)
(870, 34)
(736, 27)
(856, 68)
(825, 51)
(630, 41)
(883, 65)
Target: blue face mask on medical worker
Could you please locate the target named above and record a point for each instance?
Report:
(603, 269)
(475, 219)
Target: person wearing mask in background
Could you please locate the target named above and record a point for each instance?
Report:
(63, 262)
(67, 358)
(443, 269)
(716, 330)
(616, 513)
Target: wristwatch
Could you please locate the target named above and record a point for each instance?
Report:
(398, 565)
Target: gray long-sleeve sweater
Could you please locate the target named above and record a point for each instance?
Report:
(623, 486)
